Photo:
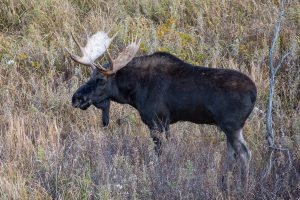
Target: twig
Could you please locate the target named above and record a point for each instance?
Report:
(281, 62)
(270, 163)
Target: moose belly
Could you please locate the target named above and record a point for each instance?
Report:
(195, 114)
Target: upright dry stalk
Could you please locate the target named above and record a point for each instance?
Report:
(272, 73)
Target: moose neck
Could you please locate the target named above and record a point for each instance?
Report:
(123, 87)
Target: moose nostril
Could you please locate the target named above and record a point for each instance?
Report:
(76, 100)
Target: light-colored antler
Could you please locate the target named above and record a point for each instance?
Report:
(124, 58)
(96, 46)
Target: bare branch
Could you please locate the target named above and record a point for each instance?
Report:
(275, 38)
(281, 62)
(268, 167)
(272, 71)
(270, 160)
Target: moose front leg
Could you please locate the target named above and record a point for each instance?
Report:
(156, 133)
(104, 106)
(105, 115)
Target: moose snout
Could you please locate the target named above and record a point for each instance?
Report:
(76, 100)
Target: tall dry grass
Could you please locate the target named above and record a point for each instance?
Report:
(48, 150)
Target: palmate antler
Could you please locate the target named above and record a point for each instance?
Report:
(124, 57)
(97, 45)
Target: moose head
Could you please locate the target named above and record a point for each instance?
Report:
(97, 89)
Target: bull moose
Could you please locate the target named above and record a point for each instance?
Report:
(164, 89)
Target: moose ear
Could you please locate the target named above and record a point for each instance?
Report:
(107, 66)
(100, 75)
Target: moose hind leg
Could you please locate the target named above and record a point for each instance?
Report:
(243, 154)
(157, 127)
(229, 165)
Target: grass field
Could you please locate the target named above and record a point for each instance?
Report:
(49, 150)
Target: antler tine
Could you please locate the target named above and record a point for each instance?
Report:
(74, 57)
(135, 39)
(77, 43)
(69, 52)
(110, 60)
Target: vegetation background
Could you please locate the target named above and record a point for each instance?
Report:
(49, 150)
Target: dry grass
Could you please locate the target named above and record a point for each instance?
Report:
(48, 150)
